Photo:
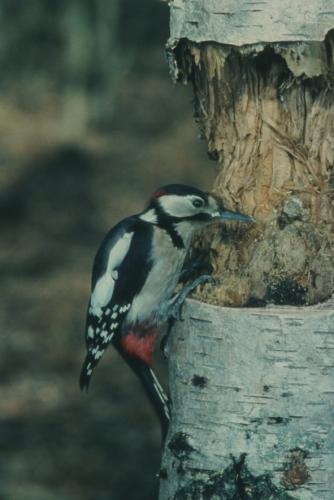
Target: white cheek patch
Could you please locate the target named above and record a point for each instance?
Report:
(104, 287)
(177, 206)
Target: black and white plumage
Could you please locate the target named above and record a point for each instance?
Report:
(135, 273)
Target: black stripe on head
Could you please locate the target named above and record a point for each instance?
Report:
(176, 238)
(167, 222)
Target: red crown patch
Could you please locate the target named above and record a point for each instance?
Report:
(159, 193)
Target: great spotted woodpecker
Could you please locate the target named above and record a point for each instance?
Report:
(135, 273)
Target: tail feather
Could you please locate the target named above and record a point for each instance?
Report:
(151, 384)
(86, 372)
(161, 394)
(157, 396)
(153, 389)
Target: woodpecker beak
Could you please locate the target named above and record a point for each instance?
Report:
(229, 215)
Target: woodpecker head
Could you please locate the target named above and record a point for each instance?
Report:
(179, 204)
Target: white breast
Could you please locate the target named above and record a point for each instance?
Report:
(161, 281)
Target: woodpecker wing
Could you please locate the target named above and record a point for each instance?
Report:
(119, 272)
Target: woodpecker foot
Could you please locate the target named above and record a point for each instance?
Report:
(178, 300)
(190, 268)
(175, 308)
(164, 340)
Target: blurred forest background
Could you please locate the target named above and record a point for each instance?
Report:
(90, 124)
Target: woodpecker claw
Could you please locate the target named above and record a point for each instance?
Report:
(178, 300)
(176, 312)
(189, 269)
(165, 338)
(163, 345)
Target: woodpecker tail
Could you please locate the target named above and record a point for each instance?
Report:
(153, 389)
(156, 394)
(87, 371)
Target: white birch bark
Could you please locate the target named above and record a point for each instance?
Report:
(241, 22)
(253, 385)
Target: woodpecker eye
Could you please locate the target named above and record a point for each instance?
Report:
(198, 203)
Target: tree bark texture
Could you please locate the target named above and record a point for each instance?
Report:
(252, 404)
(266, 111)
(241, 22)
(252, 388)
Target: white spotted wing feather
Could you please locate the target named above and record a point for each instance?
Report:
(104, 317)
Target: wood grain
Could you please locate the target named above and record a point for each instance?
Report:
(271, 129)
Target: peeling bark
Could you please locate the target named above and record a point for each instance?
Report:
(271, 128)
(252, 404)
(241, 22)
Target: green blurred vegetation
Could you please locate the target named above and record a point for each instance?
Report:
(90, 124)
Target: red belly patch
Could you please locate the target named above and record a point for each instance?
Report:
(141, 345)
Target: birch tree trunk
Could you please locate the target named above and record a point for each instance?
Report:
(252, 392)
(252, 389)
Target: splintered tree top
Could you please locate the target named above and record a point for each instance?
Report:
(240, 22)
